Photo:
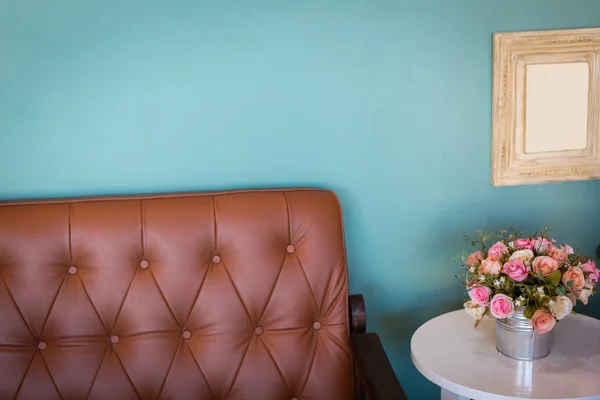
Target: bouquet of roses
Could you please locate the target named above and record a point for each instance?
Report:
(531, 272)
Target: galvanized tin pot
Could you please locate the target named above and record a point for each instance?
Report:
(515, 338)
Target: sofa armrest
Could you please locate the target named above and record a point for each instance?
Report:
(374, 368)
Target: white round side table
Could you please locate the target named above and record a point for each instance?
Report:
(464, 361)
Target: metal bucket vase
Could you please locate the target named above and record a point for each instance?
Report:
(515, 338)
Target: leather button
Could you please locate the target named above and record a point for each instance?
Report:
(317, 325)
(187, 335)
(259, 330)
(294, 398)
(291, 249)
(144, 264)
(42, 345)
(72, 270)
(216, 260)
(114, 339)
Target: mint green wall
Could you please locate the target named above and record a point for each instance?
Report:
(386, 102)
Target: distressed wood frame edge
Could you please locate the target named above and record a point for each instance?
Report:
(504, 171)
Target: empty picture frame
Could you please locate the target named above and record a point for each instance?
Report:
(546, 105)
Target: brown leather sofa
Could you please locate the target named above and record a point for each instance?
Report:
(237, 295)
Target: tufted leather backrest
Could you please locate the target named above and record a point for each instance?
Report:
(238, 295)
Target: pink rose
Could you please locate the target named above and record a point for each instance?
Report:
(567, 249)
(593, 272)
(497, 251)
(480, 295)
(542, 321)
(558, 254)
(540, 245)
(490, 266)
(545, 264)
(516, 270)
(475, 259)
(502, 306)
(574, 274)
(523, 244)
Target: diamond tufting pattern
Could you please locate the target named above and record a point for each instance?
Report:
(238, 295)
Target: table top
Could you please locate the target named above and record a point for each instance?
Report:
(448, 351)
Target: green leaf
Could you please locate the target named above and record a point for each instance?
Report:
(560, 291)
(554, 277)
(570, 283)
(510, 288)
(529, 310)
(540, 275)
(529, 281)
(477, 323)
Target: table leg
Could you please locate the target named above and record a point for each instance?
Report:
(446, 395)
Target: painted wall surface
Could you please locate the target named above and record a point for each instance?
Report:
(387, 102)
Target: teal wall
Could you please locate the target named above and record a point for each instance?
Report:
(386, 102)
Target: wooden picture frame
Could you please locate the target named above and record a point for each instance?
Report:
(546, 106)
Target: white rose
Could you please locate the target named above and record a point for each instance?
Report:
(524, 255)
(585, 293)
(474, 310)
(561, 307)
